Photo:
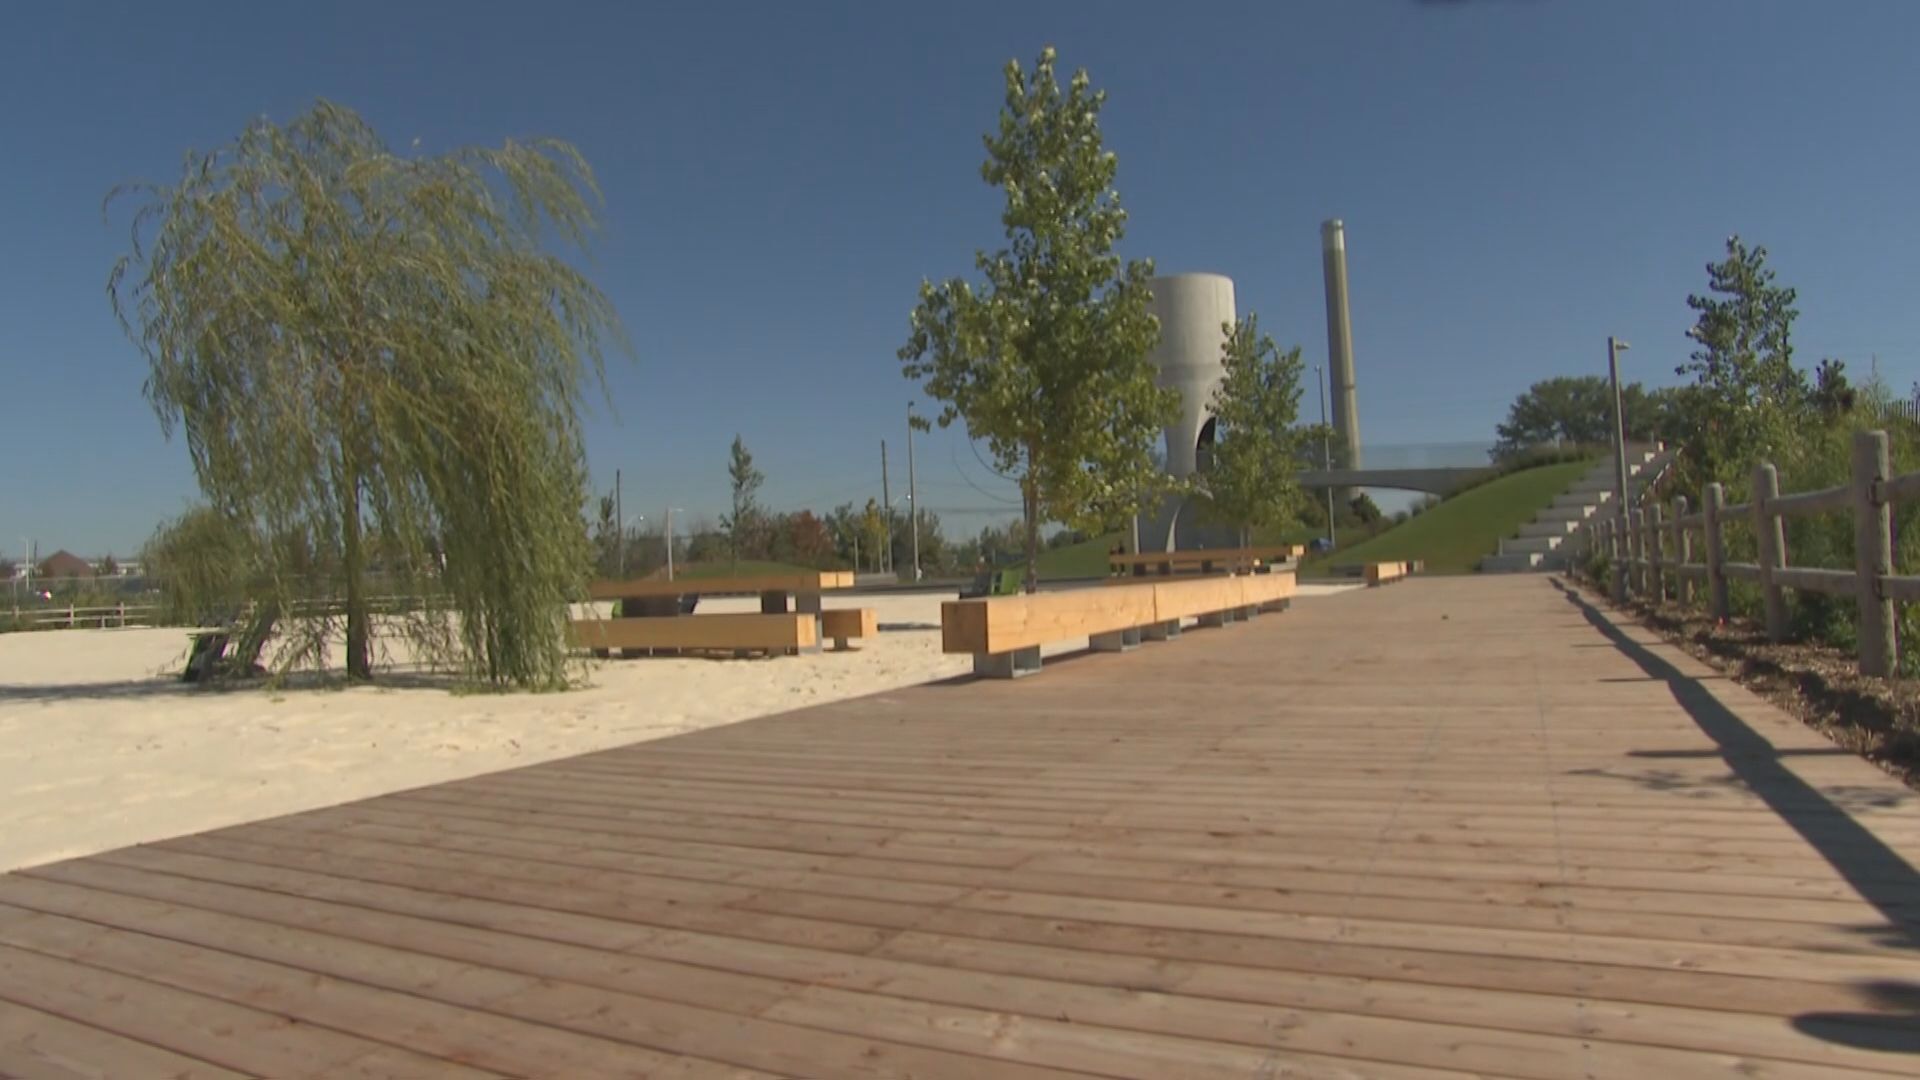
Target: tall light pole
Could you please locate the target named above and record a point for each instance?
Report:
(1614, 348)
(1326, 451)
(913, 501)
(670, 513)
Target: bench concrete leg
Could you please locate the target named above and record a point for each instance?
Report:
(774, 603)
(1165, 631)
(1116, 641)
(806, 603)
(1007, 665)
(1216, 618)
(840, 645)
(1277, 605)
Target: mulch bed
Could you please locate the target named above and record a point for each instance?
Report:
(1879, 719)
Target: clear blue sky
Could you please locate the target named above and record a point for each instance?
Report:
(1519, 179)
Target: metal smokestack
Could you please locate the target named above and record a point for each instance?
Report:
(1346, 411)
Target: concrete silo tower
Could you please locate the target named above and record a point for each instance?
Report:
(1194, 310)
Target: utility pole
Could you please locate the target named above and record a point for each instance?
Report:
(913, 496)
(1326, 449)
(670, 511)
(886, 508)
(620, 524)
(1614, 348)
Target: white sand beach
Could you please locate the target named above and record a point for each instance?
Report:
(100, 745)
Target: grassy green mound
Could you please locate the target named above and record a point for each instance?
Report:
(1454, 536)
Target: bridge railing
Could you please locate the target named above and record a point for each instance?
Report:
(1656, 550)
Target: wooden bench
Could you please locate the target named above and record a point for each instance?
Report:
(1004, 634)
(1384, 573)
(786, 633)
(774, 590)
(1204, 560)
(840, 624)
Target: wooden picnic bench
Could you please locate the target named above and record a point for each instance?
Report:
(1203, 560)
(657, 615)
(1004, 634)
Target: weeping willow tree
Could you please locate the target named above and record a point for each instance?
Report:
(377, 367)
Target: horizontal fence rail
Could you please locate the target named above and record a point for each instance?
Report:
(1652, 548)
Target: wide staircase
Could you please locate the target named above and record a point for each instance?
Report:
(1541, 542)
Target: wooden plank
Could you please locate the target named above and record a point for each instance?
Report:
(699, 632)
(239, 1038)
(1383, 573)
(432, 1029)
(42, 1044)
(1448, 828)
(725, 1032)
(842, 624)
(1005, 623)
(803, 582)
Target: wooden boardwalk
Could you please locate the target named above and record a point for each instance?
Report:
(1452, 827)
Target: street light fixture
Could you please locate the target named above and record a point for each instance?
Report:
(1614, 348)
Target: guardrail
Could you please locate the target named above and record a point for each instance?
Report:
(1656, 551)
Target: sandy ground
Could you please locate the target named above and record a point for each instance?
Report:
(101, 747)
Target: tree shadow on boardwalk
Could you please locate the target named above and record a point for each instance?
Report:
(1879, 874)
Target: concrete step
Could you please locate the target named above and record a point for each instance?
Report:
(1581, 498)
(1549, 527)
(1510, 564)
(1572, 514)
(1537, 544)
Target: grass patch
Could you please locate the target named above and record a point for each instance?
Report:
(1454, 536)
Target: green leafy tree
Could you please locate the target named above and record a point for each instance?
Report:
(372, 357)
(1577, 410)
(874, 521)
(1749, 396)
(743, 525)
(1253, 480)
(1047, 361)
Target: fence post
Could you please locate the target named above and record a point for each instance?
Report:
(1637, 543)
(1873, 552)
(1656, 558)
(1614, 567)
(1716, 551)
(1771, 533)
(1682, 553)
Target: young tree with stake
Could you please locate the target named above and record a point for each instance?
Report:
(1047, 361)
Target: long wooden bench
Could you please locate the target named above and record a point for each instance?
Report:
(1389, 573)
(1004, 633)
(841, 624)
(785, 633)
(1203, 560)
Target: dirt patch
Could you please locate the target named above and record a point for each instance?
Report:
(1879, 719)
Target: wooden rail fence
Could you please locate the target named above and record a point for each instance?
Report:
(1656, 550)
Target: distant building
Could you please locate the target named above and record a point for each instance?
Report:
(64, 564)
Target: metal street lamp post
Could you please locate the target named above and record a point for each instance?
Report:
(1614, 348)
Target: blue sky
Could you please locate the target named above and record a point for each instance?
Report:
(1519, 179)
